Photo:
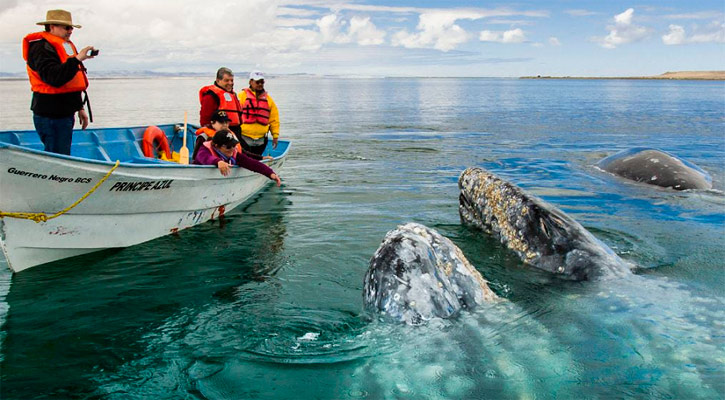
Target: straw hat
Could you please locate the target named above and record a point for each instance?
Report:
(58, 17)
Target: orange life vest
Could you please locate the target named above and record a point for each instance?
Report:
(208, 135)
(232, 160)
(255, 109)
(206, 131)
(64, 49)
(228, 102)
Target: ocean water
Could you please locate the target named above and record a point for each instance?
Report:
(269, 304)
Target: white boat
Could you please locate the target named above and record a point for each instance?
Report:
(142, 199)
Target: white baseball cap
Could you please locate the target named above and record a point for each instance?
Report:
(256, 75)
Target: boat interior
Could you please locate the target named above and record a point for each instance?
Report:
(123, 144)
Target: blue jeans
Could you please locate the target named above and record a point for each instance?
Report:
(55, 133)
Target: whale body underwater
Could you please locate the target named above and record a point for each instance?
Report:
(656, 167)
(417, 274)
(542, 235)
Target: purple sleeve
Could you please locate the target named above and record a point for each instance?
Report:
(251, 155)
(205, 157)
(253, 165)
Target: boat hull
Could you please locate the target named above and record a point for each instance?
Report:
(135, 204)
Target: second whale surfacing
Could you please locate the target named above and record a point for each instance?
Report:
(656, 167)
(542, 235)
(416, 275)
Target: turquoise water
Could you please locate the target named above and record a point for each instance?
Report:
(269, 305)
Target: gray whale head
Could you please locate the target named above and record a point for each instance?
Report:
(656, 167)
(542, 235)
(416, 275)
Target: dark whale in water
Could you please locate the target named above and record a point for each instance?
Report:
(542, 235)
(416, 275)
(656, 167)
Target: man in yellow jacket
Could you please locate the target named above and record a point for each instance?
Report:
(259, 115)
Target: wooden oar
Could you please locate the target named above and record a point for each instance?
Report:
(184, 152)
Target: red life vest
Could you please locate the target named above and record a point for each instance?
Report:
(232, 160)
(255, 109)
(64, 49)
(228, 102)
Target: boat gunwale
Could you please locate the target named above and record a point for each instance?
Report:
(161, 164)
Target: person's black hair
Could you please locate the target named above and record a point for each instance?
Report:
(224, 137)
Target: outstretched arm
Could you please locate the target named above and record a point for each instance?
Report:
(256, 166)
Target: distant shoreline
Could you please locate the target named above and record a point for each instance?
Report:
(680, 75)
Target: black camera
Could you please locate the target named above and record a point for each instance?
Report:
(94, 53)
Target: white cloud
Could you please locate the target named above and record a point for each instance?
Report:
(364, 32)
(676, 35)
(697, 15)
(295, 12)
(511, 36)
(468, 12)
(510, 22)
(360, 30)
(623, 31)
(289, 22)
(330, 27)
(514, 36)
(154, 32)
(166, 34)
(554, 41)
(580, 13)
(624, 18)
(713, 33)
(436, 29)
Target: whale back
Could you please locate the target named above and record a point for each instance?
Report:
(417, 274)
(656, 167)
(542, 235)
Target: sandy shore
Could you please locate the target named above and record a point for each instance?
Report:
(683, 75)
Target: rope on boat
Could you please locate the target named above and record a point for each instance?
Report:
(42, 217)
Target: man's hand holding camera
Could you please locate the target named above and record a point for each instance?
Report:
(86, 53)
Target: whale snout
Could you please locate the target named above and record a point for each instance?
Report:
(417, 274)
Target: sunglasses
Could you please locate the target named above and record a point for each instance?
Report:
(66, 27)
(261, 81)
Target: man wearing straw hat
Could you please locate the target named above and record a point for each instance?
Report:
(57, 79)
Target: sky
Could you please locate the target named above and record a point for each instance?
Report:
(455, 38)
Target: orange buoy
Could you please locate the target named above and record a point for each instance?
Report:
(154, 134)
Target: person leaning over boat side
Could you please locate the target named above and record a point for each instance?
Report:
(222, 152)
(221, 96)
(57, 78)
(259, 115)
(219, 121)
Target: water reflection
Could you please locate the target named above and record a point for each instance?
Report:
(55, 310)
